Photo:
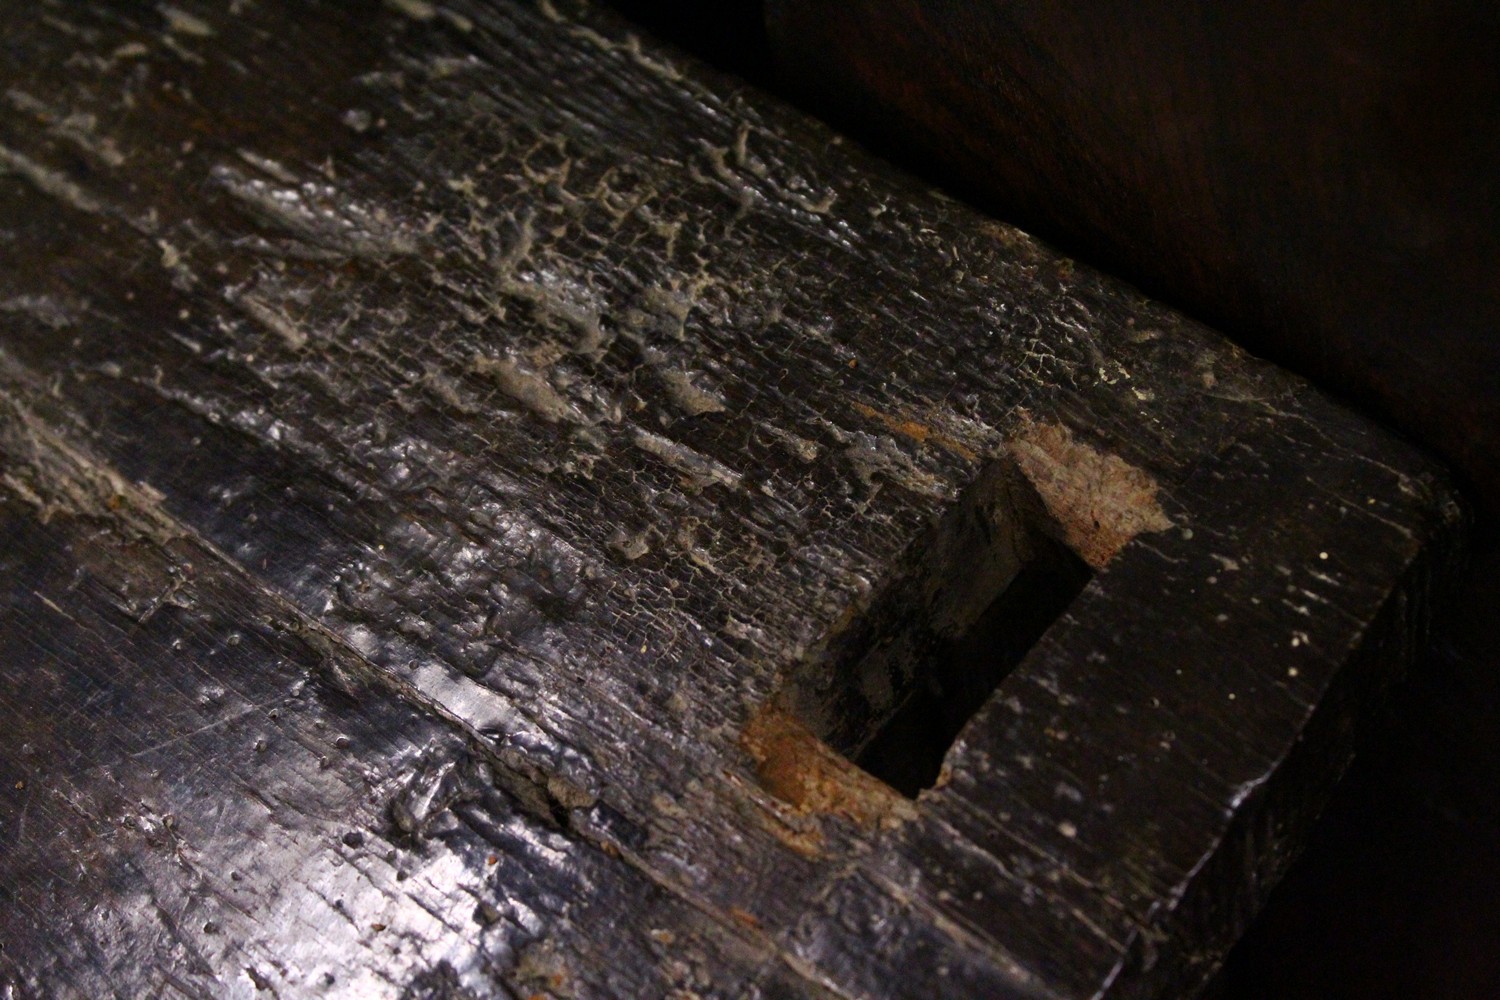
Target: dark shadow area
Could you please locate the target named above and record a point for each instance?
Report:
(1398, 893)
(730, 34)
(891, 689)
(960, 674)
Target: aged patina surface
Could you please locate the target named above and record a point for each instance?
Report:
(472, 479)
(1315, 176)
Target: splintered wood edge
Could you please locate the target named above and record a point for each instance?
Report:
(813, 778)
(1100, 500)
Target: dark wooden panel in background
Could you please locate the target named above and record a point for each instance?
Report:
(1317, 178)
(459, 459)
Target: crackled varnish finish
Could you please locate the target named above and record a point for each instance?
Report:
(472, 478)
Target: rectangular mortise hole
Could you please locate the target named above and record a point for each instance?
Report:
(979, 590)
(958, 675)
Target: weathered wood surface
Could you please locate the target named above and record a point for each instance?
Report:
(455, 457)
(1314, 176)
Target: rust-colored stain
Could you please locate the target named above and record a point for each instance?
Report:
(799, 832)
(1100, 500)
(917, 431)
(745, 917)
(811, 777)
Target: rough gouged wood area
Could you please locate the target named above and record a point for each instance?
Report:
(474, 482)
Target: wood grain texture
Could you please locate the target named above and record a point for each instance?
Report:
(1315, 178)
(439, 440)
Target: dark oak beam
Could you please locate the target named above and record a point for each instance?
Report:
(583, 457)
